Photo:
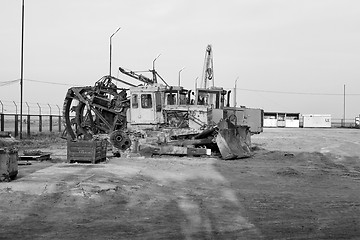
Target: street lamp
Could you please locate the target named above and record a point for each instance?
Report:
(153, 69)
(179, 75)
(111, 47)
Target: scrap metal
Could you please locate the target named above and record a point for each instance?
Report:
(192, 122)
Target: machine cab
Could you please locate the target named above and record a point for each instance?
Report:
(146, 105)
(212, 97)
(175, 95)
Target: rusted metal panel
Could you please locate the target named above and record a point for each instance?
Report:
(231, 145)
(174, 150)
(188, 142)
(8, 164)
(233, 141)
(252, 117)
(198, 152)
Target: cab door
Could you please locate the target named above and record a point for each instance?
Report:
(142, 108)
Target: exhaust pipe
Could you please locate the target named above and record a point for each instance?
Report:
(228, 99)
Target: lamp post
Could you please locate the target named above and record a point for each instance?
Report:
(22, 67)
(196, 92)
(153, 69)
(111, 47)
(179, 75)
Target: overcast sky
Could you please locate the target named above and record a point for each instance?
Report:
(309, 48)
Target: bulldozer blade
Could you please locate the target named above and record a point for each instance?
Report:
(233, 143)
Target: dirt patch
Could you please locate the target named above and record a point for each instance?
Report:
(276, 194)
(288, 171)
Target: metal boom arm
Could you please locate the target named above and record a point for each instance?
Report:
(136, 76)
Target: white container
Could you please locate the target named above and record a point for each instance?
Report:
(316, 120)
(292, 123)
(268, 122)
(270, 119)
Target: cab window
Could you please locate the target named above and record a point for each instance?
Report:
(135, 103)
(146, 101)
(158, 101)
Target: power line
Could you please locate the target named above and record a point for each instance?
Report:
(298, 93)
(53, 83)
(5, 83)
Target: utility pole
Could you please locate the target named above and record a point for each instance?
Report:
(344, 117)
(22, 68)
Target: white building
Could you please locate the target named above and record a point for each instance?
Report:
(278, 119)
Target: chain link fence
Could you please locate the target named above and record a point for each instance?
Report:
(36, 117)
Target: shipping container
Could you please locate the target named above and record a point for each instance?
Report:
(316, 120)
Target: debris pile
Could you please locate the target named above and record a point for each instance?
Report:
(154, 118)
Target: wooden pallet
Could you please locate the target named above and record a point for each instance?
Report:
(42, 157)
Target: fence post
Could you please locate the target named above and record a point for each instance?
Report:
(28, 125)
(59, 123)
(50, 124)
(16, 125)
(2, 119)
(50, 118)
(40, 118)
(40, 123)
(59, 117)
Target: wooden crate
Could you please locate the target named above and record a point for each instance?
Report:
(86, 151)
